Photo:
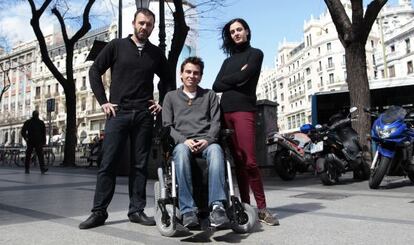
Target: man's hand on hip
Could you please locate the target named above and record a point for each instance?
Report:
(154, 108)
(109, 109)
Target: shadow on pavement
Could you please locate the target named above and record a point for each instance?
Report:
(396, 184)
(296, 208)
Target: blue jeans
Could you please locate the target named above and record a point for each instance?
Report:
(182, 157)
(137, 125)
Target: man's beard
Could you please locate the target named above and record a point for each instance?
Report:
(142, 37)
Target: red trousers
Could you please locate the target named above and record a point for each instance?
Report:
(243, 148)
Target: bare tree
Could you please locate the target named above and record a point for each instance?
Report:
(68, 81)
(353, 34)
(5, 80)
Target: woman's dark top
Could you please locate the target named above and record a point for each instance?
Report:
(239, 87)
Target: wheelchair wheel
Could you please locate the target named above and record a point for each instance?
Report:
(246, 227)
(166, 228)
(157, 194)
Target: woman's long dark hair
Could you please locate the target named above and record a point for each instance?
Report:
(228, 45)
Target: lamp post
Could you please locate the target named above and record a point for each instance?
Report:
(120, 19)
(161, 34)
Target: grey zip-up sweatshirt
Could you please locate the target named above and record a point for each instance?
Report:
(198, 118)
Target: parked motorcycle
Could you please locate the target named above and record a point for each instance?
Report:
(291, 154)
(338, 150)
(393, 131)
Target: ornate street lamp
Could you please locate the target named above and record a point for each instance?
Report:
(142, 3)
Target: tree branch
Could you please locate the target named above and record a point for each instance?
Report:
(357, 12)
(180, 33)
(371, 14)
(56, 12)
(341, 20)
(36, 14)
(86, 25)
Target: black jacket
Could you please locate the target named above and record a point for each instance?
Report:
(34, 132)
(132, 73)
(239, 87)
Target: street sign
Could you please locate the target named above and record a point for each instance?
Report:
(50, 104)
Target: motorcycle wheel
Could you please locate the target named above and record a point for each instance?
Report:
(251, 220)
(284, 166)
(379, 172)
(328, 176)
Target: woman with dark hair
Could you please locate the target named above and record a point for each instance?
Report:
(237, 79)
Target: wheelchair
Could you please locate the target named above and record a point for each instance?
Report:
(242, 216)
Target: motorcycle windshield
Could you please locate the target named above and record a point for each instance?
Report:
(394, 113)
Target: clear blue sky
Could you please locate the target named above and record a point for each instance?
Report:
(270, 22)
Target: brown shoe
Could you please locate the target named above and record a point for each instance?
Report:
(266, 217)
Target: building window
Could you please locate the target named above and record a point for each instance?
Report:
(330, 62)
(37, 92)
(282, 97)
(83, 104)
(407, 45)
(328, 46)
(56, 88)
(83, 82)
(319, 50)
(409, 67)
(309, 83)
(372, 43)
(391, 71)
(331, 78)
(308, 71)
(321, 79)
(392, 48)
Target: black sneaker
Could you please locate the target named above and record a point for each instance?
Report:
(190, 219)
(96, 219)
(218, 217)
(44, 170)
(27, 171)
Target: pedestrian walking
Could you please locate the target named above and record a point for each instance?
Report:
(34, 133)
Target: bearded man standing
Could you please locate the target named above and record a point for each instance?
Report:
(130, 112)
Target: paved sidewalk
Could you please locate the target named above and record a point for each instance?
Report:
(46, 209)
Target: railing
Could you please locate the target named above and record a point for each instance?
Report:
(14, 156)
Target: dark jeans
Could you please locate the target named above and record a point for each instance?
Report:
(39, 152)
(138, 125)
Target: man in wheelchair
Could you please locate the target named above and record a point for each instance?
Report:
(193, 116)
